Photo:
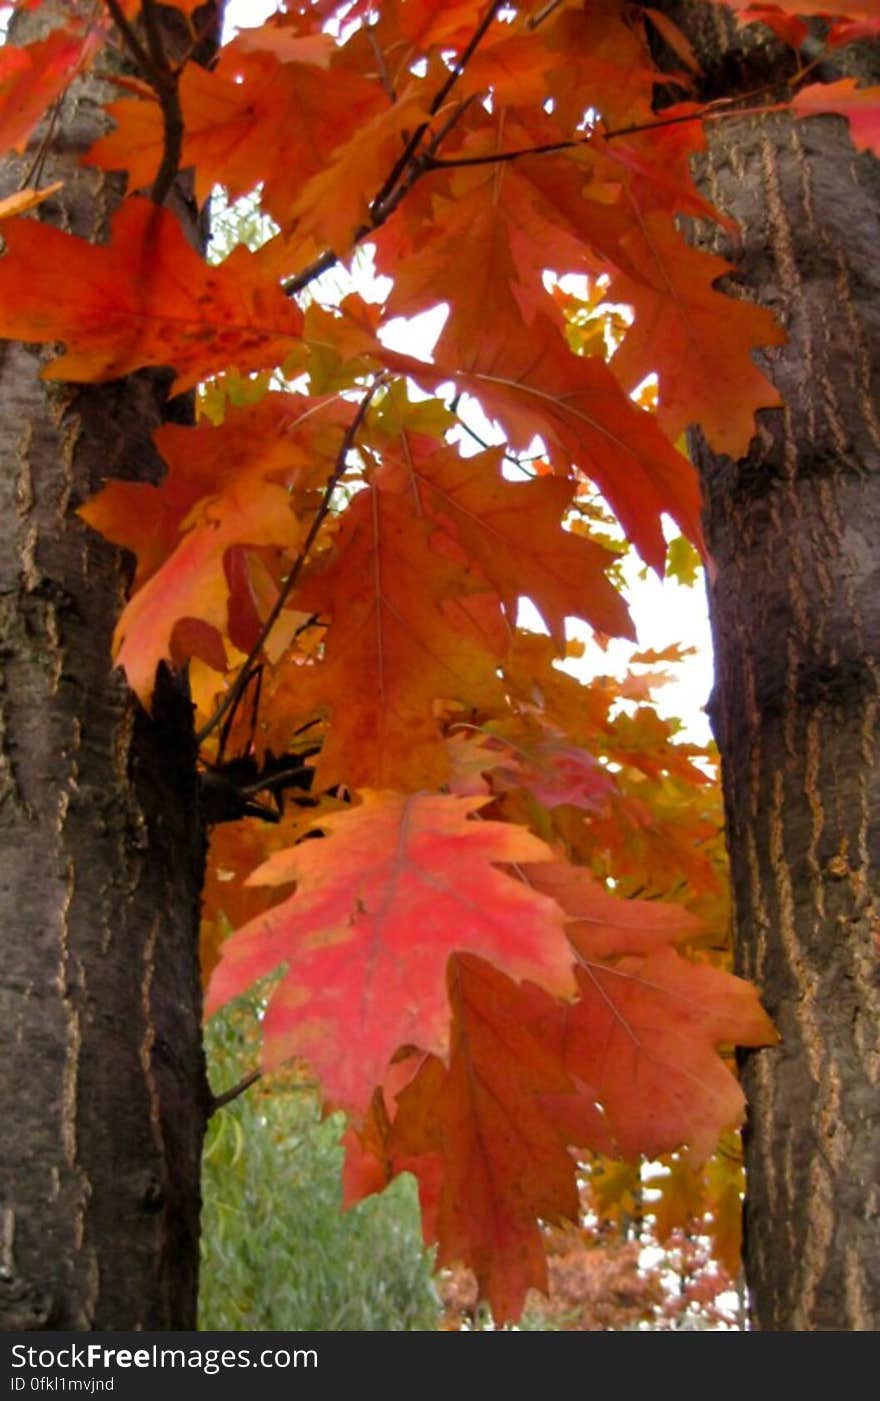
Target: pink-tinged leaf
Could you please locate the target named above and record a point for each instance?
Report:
(602, 924)
(646, 1033)
(396, 886)
(34, 76)
(860, 106)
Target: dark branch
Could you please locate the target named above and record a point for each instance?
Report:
(166, 84)
(130, 38)
(155, 67)
(408, 167)
(228, 1096)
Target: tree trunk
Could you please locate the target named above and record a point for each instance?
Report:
(101, 853)
(793, 532)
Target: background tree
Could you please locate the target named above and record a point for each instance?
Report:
(506, 950)
(792, 531)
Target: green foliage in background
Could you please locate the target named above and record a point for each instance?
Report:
(277, 1253)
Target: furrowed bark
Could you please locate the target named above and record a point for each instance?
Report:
(104, 1096)
(793, 532)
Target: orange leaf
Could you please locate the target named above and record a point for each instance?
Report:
(512, 531)
(235, 121)
(506, 1159)
(226, 487)
(499, 1121)
(603, 925)
(861, 107)
(705, 377)
(645, 1035)
(576, 405)
(336, 202)
(146, 299)
(399, 640)
(395, 887)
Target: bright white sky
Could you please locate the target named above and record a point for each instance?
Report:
(663, 612)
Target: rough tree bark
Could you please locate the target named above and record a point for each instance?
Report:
(793, 531)
(103, 1099)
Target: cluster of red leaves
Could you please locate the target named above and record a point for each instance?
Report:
(452, 936)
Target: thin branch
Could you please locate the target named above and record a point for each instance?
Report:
(133, 43)
(521, 463)
(154, 37)
(410, 150)
(218, 1101)
(500, 157)
(540, 17)
(395, 186)
(244, 675)
(327, 260)
(467, 54)
(36, 169)
(166, 84)
(381, 210)
(154, 65)
(384, 75)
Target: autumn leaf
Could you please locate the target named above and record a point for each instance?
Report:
(487, 1138)
(33, 76)
(604, 925)
(513, 532)
(396, 885)
(226, 487)
(146, 299)
(645, 1034)
(336, 202)
(576, 405)
(399, 639)
(506, 1158)
(231, 119)
(860, 106)
(677, 314)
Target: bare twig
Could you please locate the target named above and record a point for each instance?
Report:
(543, 14)
(571, 143)
(166, 84)
(410, 150)
(36, 167)
(129, 35)
(384, 75)
(244, 675)
(218, 1101)
(521, 463)
(467, 54)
